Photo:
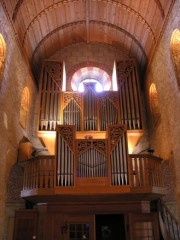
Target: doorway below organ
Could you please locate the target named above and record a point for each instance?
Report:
(110, 226)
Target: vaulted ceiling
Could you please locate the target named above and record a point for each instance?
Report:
(45, 26)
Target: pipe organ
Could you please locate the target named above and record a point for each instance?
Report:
(91, 158)
(90, 110)
(111, 112)
(72, 104)
(118, 154)
(65, 156)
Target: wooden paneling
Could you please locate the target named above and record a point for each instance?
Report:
(141, 23)
(26, 225)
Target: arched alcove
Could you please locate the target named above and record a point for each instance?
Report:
(154, 104)
(175, 53)
(91, 74)
(2, 55)
(24, 107)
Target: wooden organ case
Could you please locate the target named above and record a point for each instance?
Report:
(91, 180)
(90, 111)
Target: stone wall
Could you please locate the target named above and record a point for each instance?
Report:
(16, 76)
(164, 137)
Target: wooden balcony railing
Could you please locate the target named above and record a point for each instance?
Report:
(39, 173)
(143, 171)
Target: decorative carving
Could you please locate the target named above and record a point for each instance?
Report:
(54, 68)
(111, 96)
(15, 184)
(67, 132)
(124, 69)
(84, 145)
(115, 132)
(76, 96)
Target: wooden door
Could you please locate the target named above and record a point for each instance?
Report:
(25, 227)
(144, 226)
(78, 227)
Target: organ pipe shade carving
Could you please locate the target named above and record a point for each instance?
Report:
(50, 96)
(108, 110)
(65, 156)
(118, 155)
(92, 158)
(129, 94)
(72, 110)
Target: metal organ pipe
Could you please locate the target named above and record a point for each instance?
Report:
(91, 163)
(129, 97)
(49, 108)
(64, 163)
(136, 97)
(132, 100)
(119, 163)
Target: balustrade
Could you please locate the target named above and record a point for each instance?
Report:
(39, 173)
(144, 171)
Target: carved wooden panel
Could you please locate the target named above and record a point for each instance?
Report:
(55, 71)
(72, 109)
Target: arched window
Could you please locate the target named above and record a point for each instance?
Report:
(154, 104)
(175, 53)
(24, 107)
(2, 55)
(91, 75)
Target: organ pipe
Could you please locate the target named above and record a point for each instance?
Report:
(129, 95)
(118, 155)
(65, 162)
(49, 103)
(91, 162)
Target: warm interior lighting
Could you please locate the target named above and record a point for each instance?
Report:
(97, 85)
(64, 78)
(2, 55)
(114, 78)
(133, 137)
(91, 74)
(49, 140)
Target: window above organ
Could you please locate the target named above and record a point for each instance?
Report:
(85, 106)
